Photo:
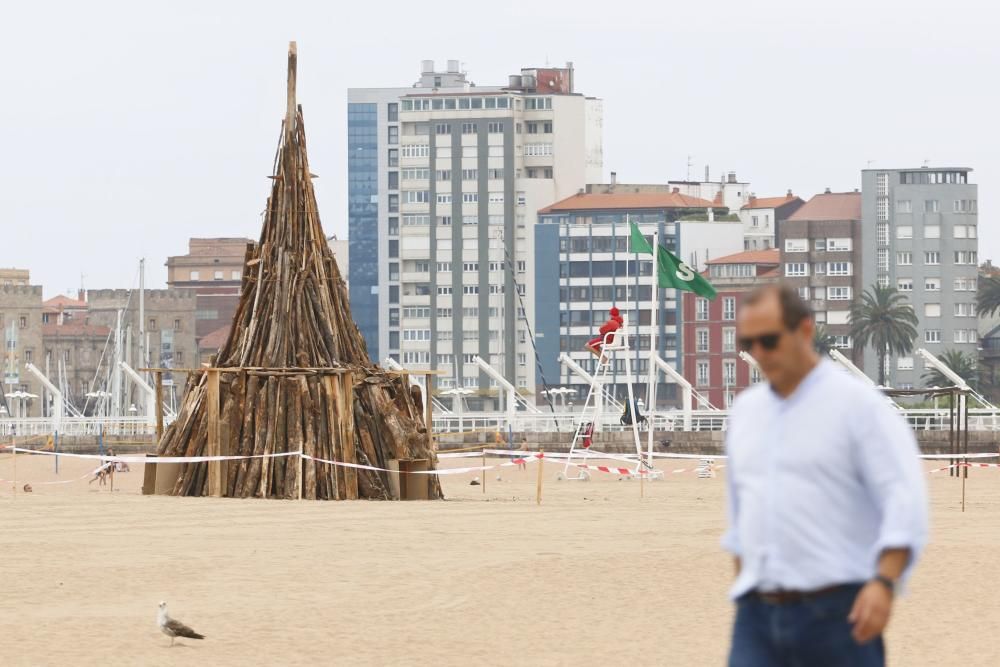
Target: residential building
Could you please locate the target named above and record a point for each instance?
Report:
(21, 332)
(461, 176)
(583, 268)
(169, 328)
(762, 218)
(711, 354)
(821, 254)
(727, 191)
(922, 224)
(213, 270)
(62, 309)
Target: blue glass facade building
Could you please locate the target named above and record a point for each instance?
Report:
(362, 223)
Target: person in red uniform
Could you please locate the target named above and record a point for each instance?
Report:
(613, 324)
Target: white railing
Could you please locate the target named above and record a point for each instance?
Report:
(489, 422)
(673, 420)
(79, 426)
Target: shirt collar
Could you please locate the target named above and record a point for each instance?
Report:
(811, 378)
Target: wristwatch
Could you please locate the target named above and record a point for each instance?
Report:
(887, 582)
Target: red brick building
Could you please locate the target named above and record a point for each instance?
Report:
(711, 356)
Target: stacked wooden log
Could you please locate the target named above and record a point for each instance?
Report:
(294, 374)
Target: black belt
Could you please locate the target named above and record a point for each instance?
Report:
(791, 597)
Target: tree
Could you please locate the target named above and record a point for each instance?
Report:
(988, 296)
(883, 318)
(822, 340)
(962, 364)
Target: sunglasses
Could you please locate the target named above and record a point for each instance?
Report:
(768, 341)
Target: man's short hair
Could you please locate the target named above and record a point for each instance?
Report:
(794, 308)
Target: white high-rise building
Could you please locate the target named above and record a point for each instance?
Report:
(474, 165)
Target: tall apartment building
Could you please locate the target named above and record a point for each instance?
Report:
(821, 255)
(583, 268)
(711, 356)
(922, 224)
(762, 218)
(465, 169)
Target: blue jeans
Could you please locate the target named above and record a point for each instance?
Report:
(811, 633)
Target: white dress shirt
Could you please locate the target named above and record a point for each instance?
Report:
(819, 484)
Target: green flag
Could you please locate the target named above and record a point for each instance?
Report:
(672, 272)
(637, 242)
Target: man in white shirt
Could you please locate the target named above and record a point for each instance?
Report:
(827, 502)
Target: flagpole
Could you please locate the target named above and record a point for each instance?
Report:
(654, 349)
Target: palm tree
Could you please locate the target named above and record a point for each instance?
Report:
(822, 340)
(988, 296)
(962, 364)
(883, 318)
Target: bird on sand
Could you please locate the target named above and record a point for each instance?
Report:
(173, 628)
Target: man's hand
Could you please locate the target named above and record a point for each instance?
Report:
(870, 613)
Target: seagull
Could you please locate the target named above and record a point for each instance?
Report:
(172, 628)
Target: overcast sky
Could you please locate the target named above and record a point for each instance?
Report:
(126, 129)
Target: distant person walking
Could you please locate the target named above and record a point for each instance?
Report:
(827, 503)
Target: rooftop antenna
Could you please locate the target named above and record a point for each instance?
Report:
(870, 163)
(689, 165)
(926, 162)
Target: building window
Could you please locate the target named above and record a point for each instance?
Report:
(393, 135)
(932, 335)
(470, 197)
(838, 293)
(755, 376)
(235, 275)
(838, 268)
(904, 206)
(842, 342)
(393, 248)
(796, 269)
(904, 232)
(701, 373)
(882, 209)
(393, 203)
(932, 284)
(393, 157)
(729, 308)
(393, 180)
(470, 174)
(393, 112)
(494, 127)
(753, 221)
(152, 324)
(904, 363)
(804, 293)
(701, 309)
(932, 232)
(178, 357)
(932, 257)
(729, 372)
(965, 257)
(444, 220)
(729, 339)
(177, 325)
(931, 206)
(28, 356)
(904, 258)
(416, 197)
(701, 340)
(839, 245)
(444, 198)
(882, 259)
(882, 231)
(796, 245)
(932, 310)
(195, 275)
(965, 310)
(882, 184)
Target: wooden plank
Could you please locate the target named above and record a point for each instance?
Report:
(214, 435)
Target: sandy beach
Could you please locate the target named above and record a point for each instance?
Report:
(594, 576)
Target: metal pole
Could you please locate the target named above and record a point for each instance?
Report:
(55, 446)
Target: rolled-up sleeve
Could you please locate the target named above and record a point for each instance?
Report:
(730, 538)
(890, 466)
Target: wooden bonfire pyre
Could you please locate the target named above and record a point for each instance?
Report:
(294, 374)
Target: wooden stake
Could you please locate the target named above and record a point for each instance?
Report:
(538, 490)
(214, 467)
